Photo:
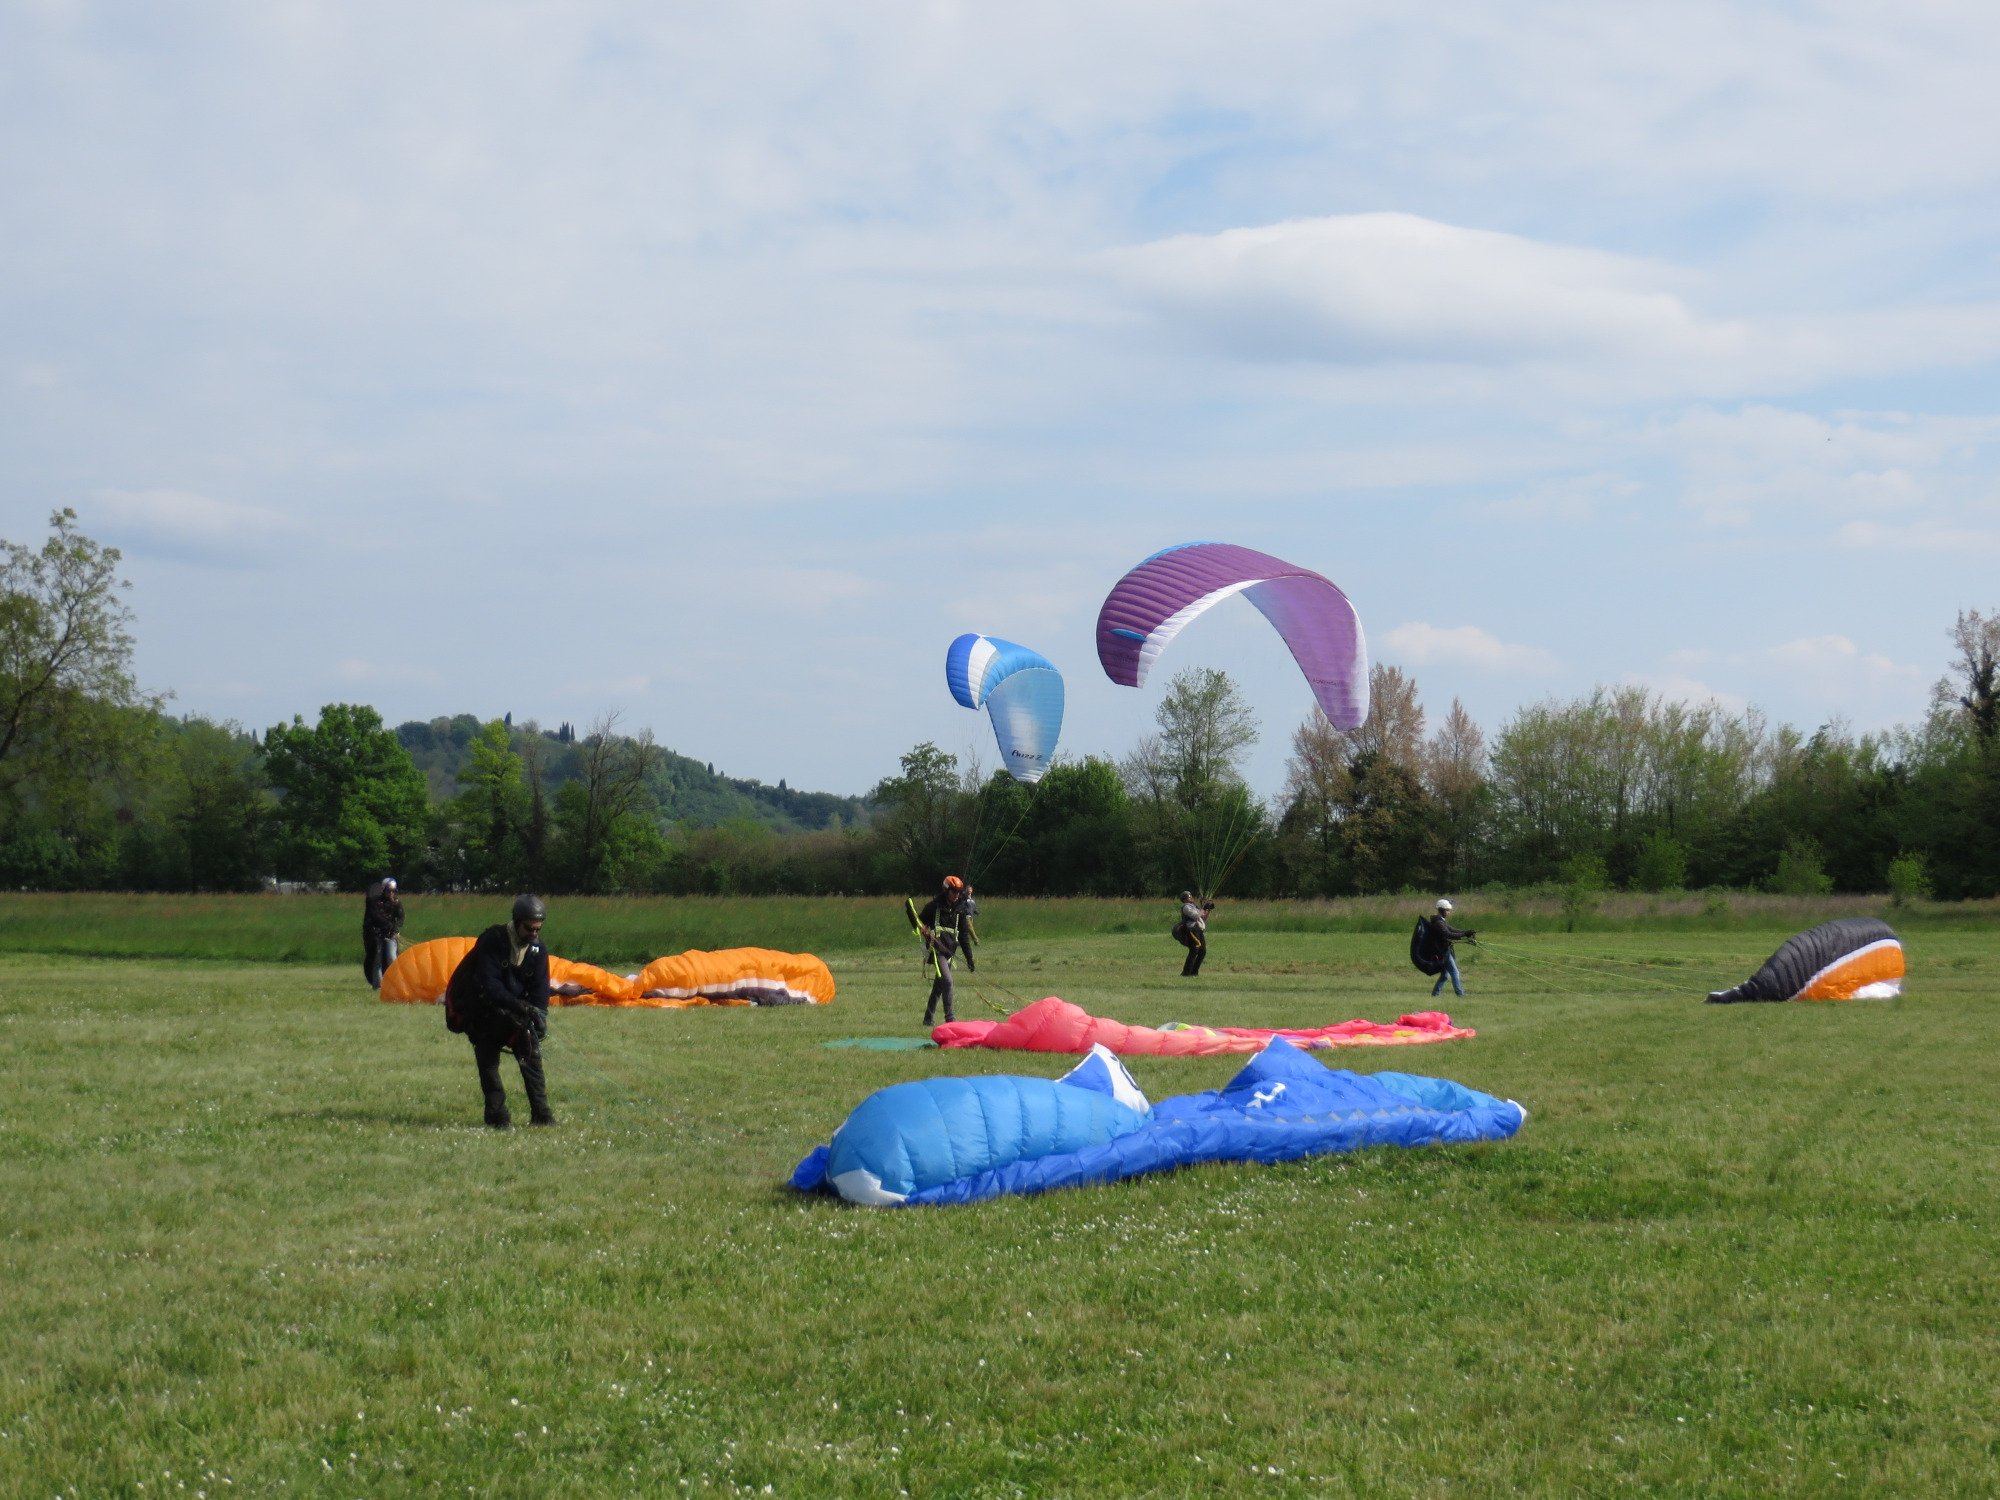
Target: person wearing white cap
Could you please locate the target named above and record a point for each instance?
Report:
(381, 928)
(1438, 943)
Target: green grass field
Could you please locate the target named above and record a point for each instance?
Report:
(254, 1240)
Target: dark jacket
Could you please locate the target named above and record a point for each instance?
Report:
(382, 912)
(943, 918)
(1438, 941)
(489, 992)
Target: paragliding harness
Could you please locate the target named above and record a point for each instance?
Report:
(459, 1007)
(454, 1011)
(1187, 936)
(1423, 958)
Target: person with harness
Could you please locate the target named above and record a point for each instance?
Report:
(1438, 938)
(1191, 932)
(969, 939)
(381, 925)
(943, 926)
(499, 997)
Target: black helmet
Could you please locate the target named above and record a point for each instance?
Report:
(530, 909)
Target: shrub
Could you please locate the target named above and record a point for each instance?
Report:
(1583, 881)
(1801, 870)
(1909, 880)
(1662, 863)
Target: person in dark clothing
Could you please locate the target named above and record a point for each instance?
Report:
(381, 927)
(1191, 932)
(501, 990)
(968, 939)
(942, 925)
(1438, 946)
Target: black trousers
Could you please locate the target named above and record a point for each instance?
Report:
(486, 1049)
(1197, 947)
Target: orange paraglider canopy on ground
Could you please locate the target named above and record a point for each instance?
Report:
(725, 976)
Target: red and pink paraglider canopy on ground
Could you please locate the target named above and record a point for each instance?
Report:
(1055, 1025)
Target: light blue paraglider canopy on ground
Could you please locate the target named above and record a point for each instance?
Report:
(1022, 693)
(960, 1140)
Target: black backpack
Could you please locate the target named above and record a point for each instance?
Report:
(457, 994)
(1420, 950)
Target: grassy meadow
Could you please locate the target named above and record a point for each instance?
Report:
(253, 1239)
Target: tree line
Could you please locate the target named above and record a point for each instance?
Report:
(100, 787)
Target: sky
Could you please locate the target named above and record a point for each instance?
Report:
(717, 365)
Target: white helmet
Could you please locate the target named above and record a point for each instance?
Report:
(1443, 905)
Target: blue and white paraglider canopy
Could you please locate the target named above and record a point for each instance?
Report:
(1022, 694)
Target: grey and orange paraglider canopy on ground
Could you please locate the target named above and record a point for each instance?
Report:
(1854, 958)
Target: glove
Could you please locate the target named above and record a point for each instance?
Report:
(527, 1020)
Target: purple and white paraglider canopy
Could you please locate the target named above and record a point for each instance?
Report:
(1152, 602)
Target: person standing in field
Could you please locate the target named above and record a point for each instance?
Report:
(499, 994)
(941, 924)
(968, 939)
(1438, 949)
(1191, 932)
(381, 929)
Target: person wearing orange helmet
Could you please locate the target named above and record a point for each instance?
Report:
(942, 925)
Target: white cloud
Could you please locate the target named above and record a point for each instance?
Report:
(181, 523)
(1395, 289)
(1736, 465)
(1388, 287)
(1421, 645)
(1836, 657)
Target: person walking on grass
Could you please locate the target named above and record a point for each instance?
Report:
(1191, 932)
(1438, 949)
(500, 994)
(942, 926)
(381, 928)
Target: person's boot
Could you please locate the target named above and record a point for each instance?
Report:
(492, 1090)
(534, 1082)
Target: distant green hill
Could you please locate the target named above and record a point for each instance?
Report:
(689, 792)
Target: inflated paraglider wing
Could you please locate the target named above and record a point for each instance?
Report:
(1022, 693)
(421, 972)
(960, 1140)
(1151, 603)
(1852, 958)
